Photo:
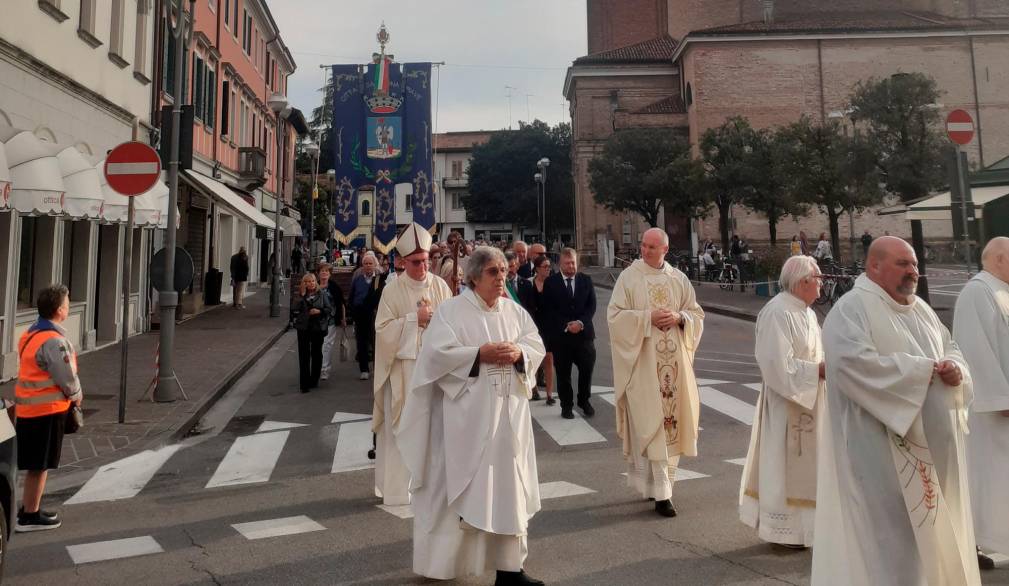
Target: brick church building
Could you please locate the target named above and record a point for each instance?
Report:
(690, 64)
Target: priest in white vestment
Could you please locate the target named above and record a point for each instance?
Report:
(404, 313)
(466, 434)
(892, 503)
(981, 329)
(655, 326)
(777, 494)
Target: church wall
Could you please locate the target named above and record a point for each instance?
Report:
(773, 83)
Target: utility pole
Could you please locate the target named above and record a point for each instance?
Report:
(168, 387)
(508, 95)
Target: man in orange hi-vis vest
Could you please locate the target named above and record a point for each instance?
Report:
(46, 387)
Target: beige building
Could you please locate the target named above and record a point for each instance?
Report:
(775, 61)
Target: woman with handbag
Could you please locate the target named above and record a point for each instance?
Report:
(310, 314)
(47, 393)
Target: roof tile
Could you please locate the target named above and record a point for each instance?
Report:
(657, 50)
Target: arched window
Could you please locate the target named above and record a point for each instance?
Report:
(690, 95)
(365, 207)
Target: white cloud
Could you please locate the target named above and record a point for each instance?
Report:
(485, 44)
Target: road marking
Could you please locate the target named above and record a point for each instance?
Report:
(560, 489)
(727, 404)
(708, 381)
(754, 386)
(732, 372)
(277, 527)
(99, 551)
(251, 459)
(124, 478)
(566, 432)
(340, 417)
(737, 461)
(352, 445)
(596, 389)
(278, 425)
(548, 490)
(681, 474)
(727, 361)
(610, 398)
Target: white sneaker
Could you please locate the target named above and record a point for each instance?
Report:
(365, 376)
(324, 376)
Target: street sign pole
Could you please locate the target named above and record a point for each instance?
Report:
(960, 129)
(127, 266)
(965, 201)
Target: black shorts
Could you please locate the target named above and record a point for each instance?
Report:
(40, 441)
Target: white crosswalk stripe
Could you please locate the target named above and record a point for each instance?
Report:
(277, 527)
(727, 404)
(101, 551)
(251, 459)
(566, 432)
(352, 447)
(548, 490)
(124, 478)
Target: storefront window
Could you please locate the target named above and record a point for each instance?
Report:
(26, 267)
(76, 252)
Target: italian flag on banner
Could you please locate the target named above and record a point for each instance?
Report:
(382, 76)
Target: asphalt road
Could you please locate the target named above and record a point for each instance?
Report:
(288, 465)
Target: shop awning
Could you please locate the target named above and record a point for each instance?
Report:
(290, 227)
(937, 206)
(82, 182)
(225, 195)
(150, 208)
(36, 178)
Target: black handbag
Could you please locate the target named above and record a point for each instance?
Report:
(75, 419)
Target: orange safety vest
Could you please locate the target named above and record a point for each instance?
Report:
(36, 394)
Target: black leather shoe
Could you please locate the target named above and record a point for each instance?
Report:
(665, 508)
(587, 409)
(984, 562)
(567, 413)
(519, 578)
(536, 395)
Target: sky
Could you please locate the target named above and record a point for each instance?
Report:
(486, 45)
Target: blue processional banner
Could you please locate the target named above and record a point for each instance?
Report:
(382, 142)
(347, 135)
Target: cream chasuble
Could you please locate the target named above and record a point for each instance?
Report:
(656, 395)
(468, 441)
(778, 490)
(981, 329)
(892, 501)
(397, 344)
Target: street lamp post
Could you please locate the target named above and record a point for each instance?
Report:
(278, 104)
(167, 389)
(542, 165)
(312, 150)
(538, 178)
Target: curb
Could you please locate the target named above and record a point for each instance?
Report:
(236, 373)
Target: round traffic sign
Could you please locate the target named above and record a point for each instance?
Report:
(184, 269)
(960, 127)
(132, 168)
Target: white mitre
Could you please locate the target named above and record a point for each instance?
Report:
(415, 238)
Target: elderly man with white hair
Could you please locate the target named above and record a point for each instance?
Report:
(777, 495)
(981, 329)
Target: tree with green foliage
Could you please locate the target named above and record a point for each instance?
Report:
(824, 167)
(501, 184)
(732, 155)
(900, 119)
(643, 170)
(302, 201)
(767, 193)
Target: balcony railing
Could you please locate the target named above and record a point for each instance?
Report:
(455, 182)
(251, 167)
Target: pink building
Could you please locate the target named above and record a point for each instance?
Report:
(228, 197)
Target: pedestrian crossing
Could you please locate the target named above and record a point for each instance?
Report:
(258, 457)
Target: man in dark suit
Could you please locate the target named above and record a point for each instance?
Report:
(570, 300)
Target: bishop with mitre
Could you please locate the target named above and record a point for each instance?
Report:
(466, 433)
(404, 313)
(655, 326)
(892, 504)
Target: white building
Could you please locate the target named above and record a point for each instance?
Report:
(452, 153)
(75, 80)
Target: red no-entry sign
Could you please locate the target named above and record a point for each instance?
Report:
(132, 168)
(960, 127)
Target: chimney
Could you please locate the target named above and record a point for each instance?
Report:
(768, 12)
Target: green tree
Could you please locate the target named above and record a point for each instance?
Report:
(824, 167)
(732, 155)
(643, 169)
(501, 185)
(901, 123)
(302, 201)
(767, 193)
